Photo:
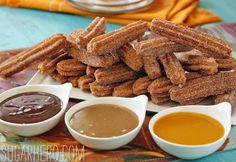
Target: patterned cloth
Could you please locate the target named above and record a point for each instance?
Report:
(58, 145)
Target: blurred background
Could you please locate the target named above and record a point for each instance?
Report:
(24, 23)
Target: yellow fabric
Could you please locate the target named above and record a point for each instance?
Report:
(179, 11)
(2, 2)
(183, 13)
(201, 16)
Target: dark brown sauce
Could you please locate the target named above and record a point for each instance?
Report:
(104, 120)
(29, 107)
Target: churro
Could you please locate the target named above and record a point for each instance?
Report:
(204, 86)
(71, 67)
(33, 55)
(71, 38)
(48, 66)
(111, 41)
(227, 97)
(201, 41)
(70, 73)
(84, 81)
(114, 74)
(159, 89)
(194, 75)
(73, 81)
(160, 85)
(152, 67)
(102, 90)
(59, 78)
(105, 60)
(157, 46)
(198, 63)
(129, 56)
(124, 90)
(161, 95)
(173, 68)
(97, 27)
(159, 100)
(226, 63)
(90, 70)
(140, 85)
(191, 101)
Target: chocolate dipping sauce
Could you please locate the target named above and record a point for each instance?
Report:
(29, 107)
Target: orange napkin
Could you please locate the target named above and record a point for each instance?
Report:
(179, 11)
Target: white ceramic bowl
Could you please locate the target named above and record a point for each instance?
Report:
(220, 112)
(136, 104)
(32, 129)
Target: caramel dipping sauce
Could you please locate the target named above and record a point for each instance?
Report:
(104, 120)
(188, 128)
(29, 107)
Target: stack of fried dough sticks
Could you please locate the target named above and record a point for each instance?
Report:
(179, 63)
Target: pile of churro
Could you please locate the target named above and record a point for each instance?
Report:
(177, 63)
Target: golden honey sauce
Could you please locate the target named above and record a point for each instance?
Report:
(188, 128)
(104, 120)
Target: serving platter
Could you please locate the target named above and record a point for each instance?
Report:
(114, 7)
(107, 2)
(76, 93)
